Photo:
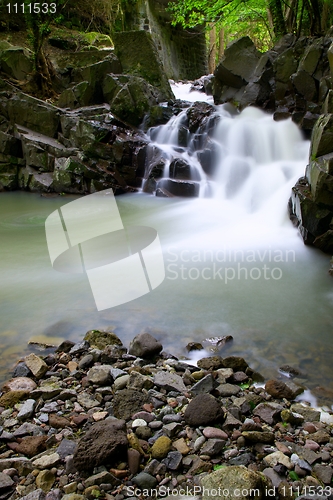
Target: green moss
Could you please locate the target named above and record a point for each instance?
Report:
(9, 399)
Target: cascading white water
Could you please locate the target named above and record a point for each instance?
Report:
(255, 161)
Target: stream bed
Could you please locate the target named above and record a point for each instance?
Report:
(234, 265)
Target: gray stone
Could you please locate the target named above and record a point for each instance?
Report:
(16, 62)
(226, 390)
(172, 429)
(173, 460)
(275, 478)
(19, 384)
(66, 448)
(243, 459)
(144, 345)
(206, 384)
(87, 400)
(5, 481)
(21, 370)
(35, 495)
(169, 381)
(47, 461)
(145, 481)
(100, 374)
(212, 447)
(86, 361)
(27, 409)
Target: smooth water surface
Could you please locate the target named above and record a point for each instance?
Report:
(234, 266)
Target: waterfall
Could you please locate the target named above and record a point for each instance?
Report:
(246, 160)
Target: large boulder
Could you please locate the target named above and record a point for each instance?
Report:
(234, 482)
(138, 56)
(133, 98)
(104, 444)
(16, 62)
(22, 109)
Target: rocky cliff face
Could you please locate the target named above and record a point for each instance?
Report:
(290, 80)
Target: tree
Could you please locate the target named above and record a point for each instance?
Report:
(263, 20)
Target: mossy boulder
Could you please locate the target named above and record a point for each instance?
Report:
(134, 99)
(32, 113)
(100, 339)
(16, 62)
(138, 56)
(235, 482)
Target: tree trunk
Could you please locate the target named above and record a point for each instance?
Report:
(212, 49)
(279, 24)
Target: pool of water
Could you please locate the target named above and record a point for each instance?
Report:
(252, 279)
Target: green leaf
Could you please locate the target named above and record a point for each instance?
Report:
(218, 467)
(293, 475)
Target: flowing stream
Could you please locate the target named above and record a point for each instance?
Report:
(234, 263)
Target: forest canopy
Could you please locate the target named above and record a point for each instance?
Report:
(265, 21)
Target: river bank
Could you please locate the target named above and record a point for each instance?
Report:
(97, 420)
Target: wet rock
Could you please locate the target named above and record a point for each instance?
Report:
(211, 363)
(173, 187)
(280, 390)
(21, 370)
(235, 479)
(100, 339)
(237, 363)
(127, 402)
(203, 410)
(104, 443)
(145, 345)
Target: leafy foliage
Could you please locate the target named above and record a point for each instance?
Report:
(263, 20)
